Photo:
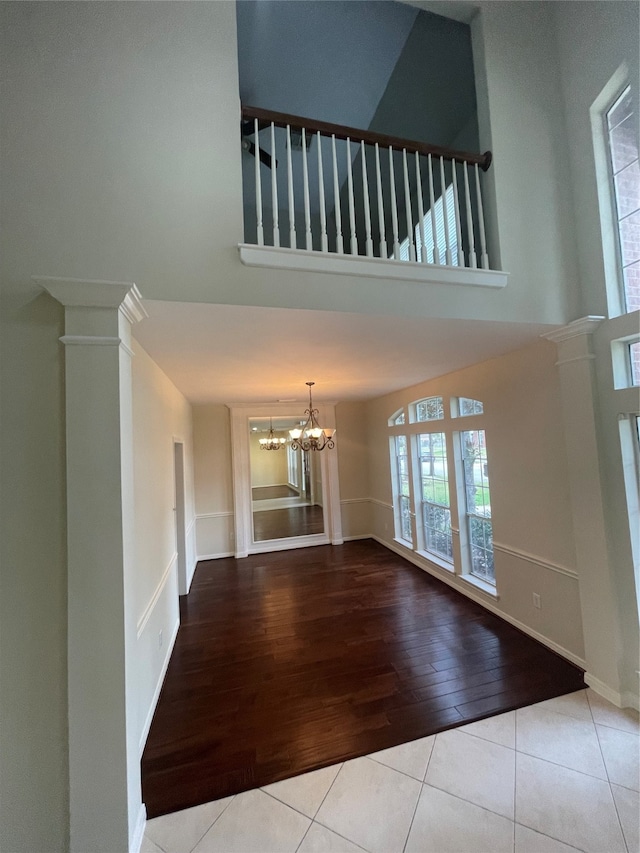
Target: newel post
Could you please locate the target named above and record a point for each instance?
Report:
(106, 810)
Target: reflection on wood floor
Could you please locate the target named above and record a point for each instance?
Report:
(287, 521)
(265, 493)
(295, 660)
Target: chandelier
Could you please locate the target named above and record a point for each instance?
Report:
(311, 436)
(271, 442)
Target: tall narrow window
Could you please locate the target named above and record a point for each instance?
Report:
(625, 178)
(436, 512)
(404, 494)
(478, 504)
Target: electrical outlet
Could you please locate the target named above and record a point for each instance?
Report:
(159, 639)
(536, 601)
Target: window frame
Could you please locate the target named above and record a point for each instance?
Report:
(607, 201)
(451, 425)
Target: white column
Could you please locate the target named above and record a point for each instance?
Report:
(600, 618)
(106, 810)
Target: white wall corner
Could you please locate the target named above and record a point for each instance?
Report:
(138, 832)
(602, 689)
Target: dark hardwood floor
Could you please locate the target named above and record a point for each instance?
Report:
(286, 522)
(265, 493)
(290, 661)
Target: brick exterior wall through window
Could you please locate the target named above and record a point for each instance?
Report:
(623, 147)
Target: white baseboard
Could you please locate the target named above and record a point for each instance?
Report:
(484, 602)
(630, 700)
(156, 692)
(214, 556)
(606, 692)
(138, 832)
(355, 538)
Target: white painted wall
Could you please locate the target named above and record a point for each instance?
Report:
(122, 154)
(531, 510)
(591, 48)
(353, 468)
(526, 191)
(160, 415)
(213, 481)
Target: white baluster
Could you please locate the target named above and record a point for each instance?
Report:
(383, 235)
(352, 210)
(324, 243)
(336, 198)
(456, 210)
(367, 206)
(394, 207)
(445, 215)
(484, 257)
(423, 236)
(292, 212)
(259, 228)
(305, 189)
(436, 249)
(407, 206)
(274, 188)
(473, 261)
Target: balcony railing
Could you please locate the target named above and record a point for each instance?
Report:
(321, 187)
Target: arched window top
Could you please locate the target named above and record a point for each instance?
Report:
(465, 407)
(397, 418)
(429, 409)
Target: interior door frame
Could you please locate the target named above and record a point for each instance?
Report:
(244, 544)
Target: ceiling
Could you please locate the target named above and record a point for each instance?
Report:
(238, 354)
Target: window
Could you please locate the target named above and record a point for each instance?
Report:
(620, 130)
(478, 504)
(404, 494)
(442, 500)
(469, 407)
(431, 409)
(442, 210)
(434, 480)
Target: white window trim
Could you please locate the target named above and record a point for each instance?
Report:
(614, 281)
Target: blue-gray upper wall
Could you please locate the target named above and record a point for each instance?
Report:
(365, 63)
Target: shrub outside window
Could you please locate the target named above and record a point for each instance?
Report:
(434, 479)
(478, 504)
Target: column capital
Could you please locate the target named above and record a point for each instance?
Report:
(90, 293)
(583, 326)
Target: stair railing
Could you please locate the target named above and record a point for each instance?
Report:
(361, 193)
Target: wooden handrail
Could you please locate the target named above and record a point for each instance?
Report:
(340, 131)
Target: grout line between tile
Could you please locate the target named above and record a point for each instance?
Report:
(566, 767)
(328, 789)
(212, 822)
(546, 835)
(471, 803)
(615, 805)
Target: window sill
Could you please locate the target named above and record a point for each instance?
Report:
(483, 586)
(437, 561)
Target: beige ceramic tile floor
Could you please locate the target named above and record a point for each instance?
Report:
(555, 777)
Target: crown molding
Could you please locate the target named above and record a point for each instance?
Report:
(584, 326)
(91, 293)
